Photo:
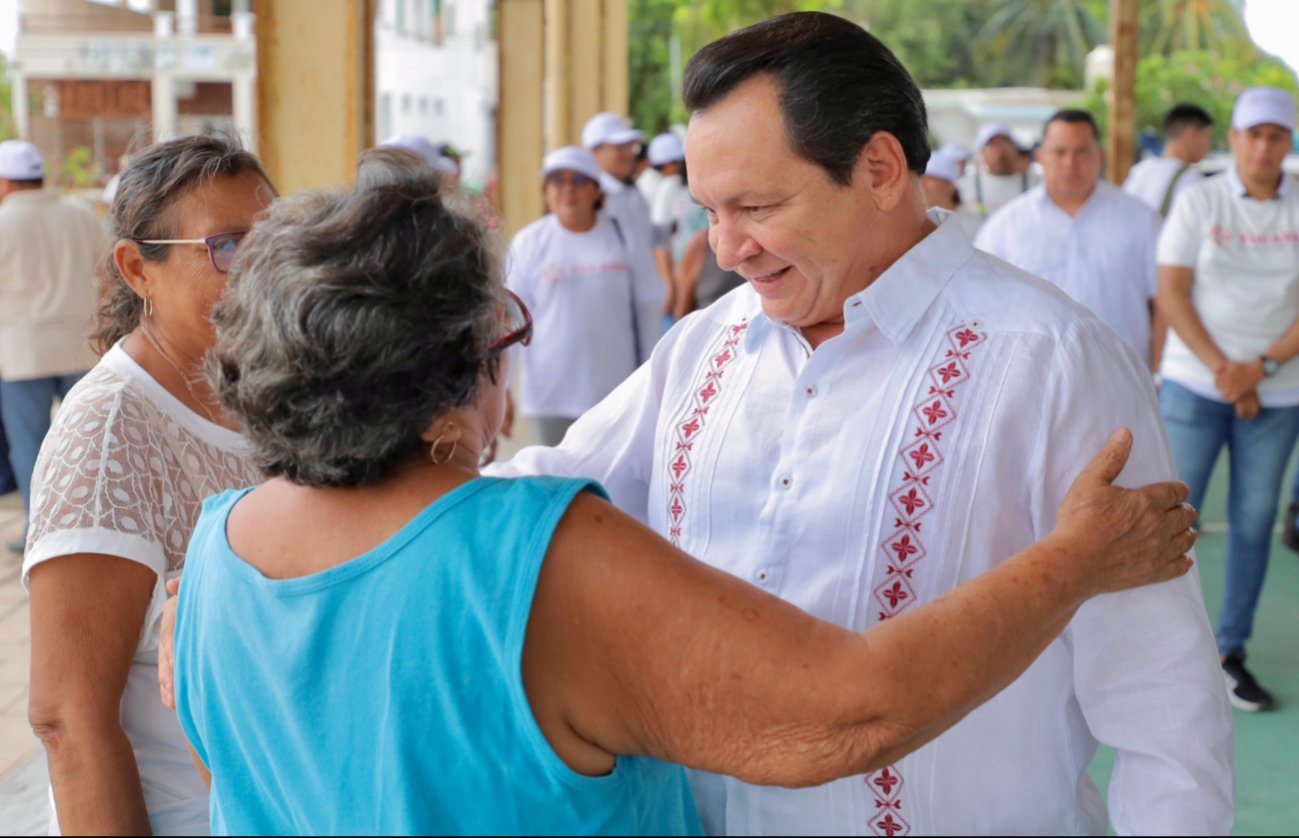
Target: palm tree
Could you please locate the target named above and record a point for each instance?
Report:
(1038, 42)
(1213, 26)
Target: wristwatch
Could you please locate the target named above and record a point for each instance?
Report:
(1269, 366)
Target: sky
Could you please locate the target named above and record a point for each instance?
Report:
(1273, 23)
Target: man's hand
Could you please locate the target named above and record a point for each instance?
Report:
(1236, 380)
(166, 645)
(1124, 537)
(1248, 406)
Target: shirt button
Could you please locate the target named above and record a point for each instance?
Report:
(762, 576)
(786, 481)
(810, 390)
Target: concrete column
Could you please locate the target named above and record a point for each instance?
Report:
(244, 94)
(164, 105)
(520, 116)
(20, 103)
(557, 90)
(616, 65)
(315, 90)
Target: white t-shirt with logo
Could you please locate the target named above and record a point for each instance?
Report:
(1149, 180)
(1246, 290)
(579, 288)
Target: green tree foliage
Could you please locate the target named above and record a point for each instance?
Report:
(1198, 50)
(1199, 78)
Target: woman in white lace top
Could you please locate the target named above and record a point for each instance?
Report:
(138, 444)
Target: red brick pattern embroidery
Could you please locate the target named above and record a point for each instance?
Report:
(904, 548)
(720, 355)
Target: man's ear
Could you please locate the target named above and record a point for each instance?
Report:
(882, 165)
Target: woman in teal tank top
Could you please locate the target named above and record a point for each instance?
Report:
(378, 640)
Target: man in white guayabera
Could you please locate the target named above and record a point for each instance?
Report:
(880, 414)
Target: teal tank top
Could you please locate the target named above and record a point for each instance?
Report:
(385, 696)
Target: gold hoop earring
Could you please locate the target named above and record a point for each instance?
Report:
(148, 307)
(437, 443)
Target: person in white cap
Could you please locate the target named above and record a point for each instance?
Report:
(1188, 137)
(672, 199)
(50, 247)
(431, 153)
(595, 300)
(997, 178)
(1091, 239)
(939, 185)
(613, 141)
(1229, 286)
(957, 153)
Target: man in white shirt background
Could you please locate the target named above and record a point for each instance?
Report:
(1188, 138)
(874, 418)
(672, 195)
(49, 249)
(997, 177)
(614, 142)
(1089, 238)
(1229, 287)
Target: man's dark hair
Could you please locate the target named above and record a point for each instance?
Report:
(1073, 117)
(1183, 116)
(839, 86)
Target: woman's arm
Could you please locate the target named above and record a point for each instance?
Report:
(87, 613)
(634, 648)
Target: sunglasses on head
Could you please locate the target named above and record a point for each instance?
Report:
(518, 325)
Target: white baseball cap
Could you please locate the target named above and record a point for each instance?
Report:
(942, 167)
(1258, 106)
(20, 160)
(425, 149)
(574, 159)
(955, 151)
(609, 129)
(991, 130)
(666, 148)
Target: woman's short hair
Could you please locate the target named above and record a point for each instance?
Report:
(147, 192)
(839, 85)
(352, 320)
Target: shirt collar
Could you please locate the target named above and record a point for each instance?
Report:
(899, 298)
(1238, 185)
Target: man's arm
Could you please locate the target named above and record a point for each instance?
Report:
(1146, 670)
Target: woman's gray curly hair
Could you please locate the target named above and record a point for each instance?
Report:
(351, 321)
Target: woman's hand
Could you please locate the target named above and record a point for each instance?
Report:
(166, 645)
(1124, 538)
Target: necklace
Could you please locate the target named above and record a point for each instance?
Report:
(183, 377)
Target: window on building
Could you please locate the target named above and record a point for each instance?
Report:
(423, 106)
(385, 115)
(401, 17)
(405, 103)
(437, 107)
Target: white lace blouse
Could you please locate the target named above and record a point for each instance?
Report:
(123, 472)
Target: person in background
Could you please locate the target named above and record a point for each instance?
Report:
(998, 177)
(431, 153)
(939, 185)
(1089, 238)
(1188, 137)
(575, 271)
(615, 144)
(700, 280)
(672, 196)
(139, 443)
(50, 247)
(957, 153)
(378, 640)
(646, 177)
(882, 413)
(1229, 286)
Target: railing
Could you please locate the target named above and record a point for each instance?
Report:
(55, 24)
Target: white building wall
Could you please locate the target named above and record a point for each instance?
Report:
(446, 92)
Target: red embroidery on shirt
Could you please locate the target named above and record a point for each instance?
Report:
(903, 549)
(721, 355)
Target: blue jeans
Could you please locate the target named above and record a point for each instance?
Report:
(7, 482)
(25, 410)
(1258, 451)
